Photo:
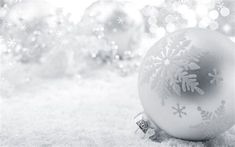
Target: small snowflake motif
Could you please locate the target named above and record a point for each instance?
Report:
(162, 62)
(120, 20)
(216, 77)
(179, 110)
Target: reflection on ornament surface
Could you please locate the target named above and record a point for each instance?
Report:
(185, 76)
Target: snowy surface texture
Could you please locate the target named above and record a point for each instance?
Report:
(97, 111)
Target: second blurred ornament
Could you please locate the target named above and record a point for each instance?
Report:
(118, 23)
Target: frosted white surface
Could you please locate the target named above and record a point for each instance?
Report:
(97, 111)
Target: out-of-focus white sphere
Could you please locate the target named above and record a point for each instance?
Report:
(117, 22)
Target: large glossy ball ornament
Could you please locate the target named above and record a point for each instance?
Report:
(117, 22)
(186, 84)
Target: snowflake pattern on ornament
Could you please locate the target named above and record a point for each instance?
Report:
(208, 116)
(171, 70)
(212, 119)
(117, 22)
(216, 77)
(179, 110)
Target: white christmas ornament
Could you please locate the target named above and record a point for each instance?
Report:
(118, 23)
(186, 84)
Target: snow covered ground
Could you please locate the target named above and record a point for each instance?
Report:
(93, 111)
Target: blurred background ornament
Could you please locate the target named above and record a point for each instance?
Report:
(47, 42)
(187, 78)
(119, 23)
(25, 30)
